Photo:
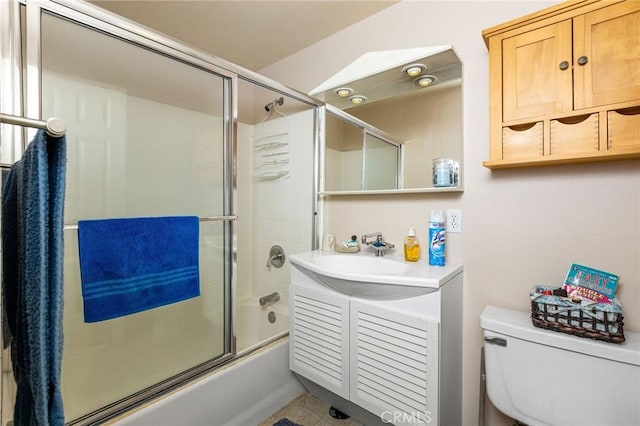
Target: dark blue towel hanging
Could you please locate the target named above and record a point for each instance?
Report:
(32, 255)
(131, 265)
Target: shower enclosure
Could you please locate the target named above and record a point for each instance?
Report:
(158, 129)
(275, 193)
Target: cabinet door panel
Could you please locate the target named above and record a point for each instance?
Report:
(319, 337)
(533, 83)
(394, 363)
(610, 40)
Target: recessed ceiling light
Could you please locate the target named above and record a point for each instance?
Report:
(357, 99)
(425, 80)
(343, 91)
(414, 69)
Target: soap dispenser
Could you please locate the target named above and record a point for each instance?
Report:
(411, 246)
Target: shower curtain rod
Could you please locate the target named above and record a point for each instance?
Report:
(55, 127)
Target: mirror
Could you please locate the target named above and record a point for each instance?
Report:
(417, 130)
(359, 156)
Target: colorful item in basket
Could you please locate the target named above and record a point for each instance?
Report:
(577, 293)
(590, 284)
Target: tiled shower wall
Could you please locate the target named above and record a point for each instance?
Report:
(273, 210)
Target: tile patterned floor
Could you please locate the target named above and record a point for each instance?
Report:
(308, 410)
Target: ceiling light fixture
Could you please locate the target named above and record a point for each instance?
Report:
(343, 92)
(414, 69)
(357, 99)
(425, 80)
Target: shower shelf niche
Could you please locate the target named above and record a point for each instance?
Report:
(267, 146)
(267, 136)
(273, 162)
(272, 175)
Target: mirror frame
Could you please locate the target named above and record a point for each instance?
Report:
(324, 90)
(366, 127)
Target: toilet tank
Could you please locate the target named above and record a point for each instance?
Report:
(542, 377)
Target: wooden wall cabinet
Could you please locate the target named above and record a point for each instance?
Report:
(565, 85)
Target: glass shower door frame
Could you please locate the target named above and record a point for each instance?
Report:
(11, 137)
(96, 19)
(123, 30)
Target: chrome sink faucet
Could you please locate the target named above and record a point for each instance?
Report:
(379, 244)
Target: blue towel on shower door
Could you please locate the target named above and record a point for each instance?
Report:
(131, 265)
(32, 281)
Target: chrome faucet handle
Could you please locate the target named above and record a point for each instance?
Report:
(379, 245)
(276, 257)
(365, 238)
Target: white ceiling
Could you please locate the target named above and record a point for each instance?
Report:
(252, 34)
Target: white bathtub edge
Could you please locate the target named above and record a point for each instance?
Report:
(246, 393)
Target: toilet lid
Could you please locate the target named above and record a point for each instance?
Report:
(518, 324)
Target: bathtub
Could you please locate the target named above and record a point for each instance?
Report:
(245, 392)
(253, 328)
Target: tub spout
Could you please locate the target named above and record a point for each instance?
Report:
(270, 298)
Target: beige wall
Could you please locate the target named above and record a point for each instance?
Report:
(521, 227)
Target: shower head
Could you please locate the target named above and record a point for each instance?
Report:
(273, 103)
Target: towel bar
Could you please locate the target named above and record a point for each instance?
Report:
(54, 126)
(70, 226)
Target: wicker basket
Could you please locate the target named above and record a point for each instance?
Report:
(568, 317)
(552, 310)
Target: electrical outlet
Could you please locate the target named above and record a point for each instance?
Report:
(454, 220)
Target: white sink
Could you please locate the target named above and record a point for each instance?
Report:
(369, 265)
(364, 275)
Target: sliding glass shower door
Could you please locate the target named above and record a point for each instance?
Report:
(149, 136)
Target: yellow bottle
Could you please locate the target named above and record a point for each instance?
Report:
(411, 246)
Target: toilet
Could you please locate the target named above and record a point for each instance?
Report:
(542, 377)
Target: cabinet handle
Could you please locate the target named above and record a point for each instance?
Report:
(522, 127)
(496, 341)
(629, 111)
(574, 120)
(564, 65)
(582, 60)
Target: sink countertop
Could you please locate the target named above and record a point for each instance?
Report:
(364, 266)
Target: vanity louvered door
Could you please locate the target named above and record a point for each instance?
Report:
(394, 364)
(319, 343)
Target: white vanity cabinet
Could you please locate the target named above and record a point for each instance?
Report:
(399, 359)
